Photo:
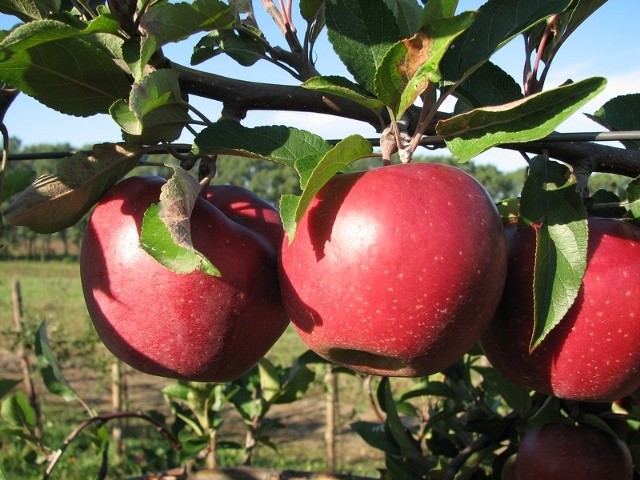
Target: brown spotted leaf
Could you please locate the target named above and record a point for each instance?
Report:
(54, 202)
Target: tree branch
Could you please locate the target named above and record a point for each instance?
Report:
(240, 96)
(600, 158)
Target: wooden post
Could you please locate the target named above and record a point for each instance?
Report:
(23, 354)
(116, 404)
(331, 383)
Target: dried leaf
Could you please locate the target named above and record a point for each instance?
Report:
(55, 202)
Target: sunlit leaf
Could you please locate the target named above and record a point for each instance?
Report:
(166, 227)
(292, 207)
(633, 197)
(361, 32)
(17, 411)
(155, 111)
(413, 63)
(275, 143)
(531, 118)
(51, 374)
(171, 22)
(343, 87)
(59, 66)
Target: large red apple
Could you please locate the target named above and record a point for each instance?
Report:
(396, 271)
(185, 326)
(594, 353)
(563, 452)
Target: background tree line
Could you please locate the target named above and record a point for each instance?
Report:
(267, 179)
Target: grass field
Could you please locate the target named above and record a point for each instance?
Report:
(51, 292)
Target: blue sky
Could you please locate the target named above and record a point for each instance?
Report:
(607, 44)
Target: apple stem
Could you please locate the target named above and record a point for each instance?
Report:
(207, 171)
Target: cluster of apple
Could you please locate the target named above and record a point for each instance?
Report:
(396, 271)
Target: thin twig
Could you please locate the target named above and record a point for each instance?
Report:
(101, 420)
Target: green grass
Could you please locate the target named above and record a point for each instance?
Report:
(51, 292)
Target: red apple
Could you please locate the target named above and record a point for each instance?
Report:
(594, 353)
(396, 271)
(185, 326)
(249, 210)
(561, 452)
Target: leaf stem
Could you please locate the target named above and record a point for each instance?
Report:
(532, 84)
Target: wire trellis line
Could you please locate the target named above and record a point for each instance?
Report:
(427, 140)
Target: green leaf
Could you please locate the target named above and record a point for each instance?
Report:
(172, 22)
(15, 181)
(155, 112)
(531, 118)
(178, 391)
(166, 227)
(435, 10)
(375, 435)
(488, 85)
(633, 197)
(6, 385)
(64, 26)
(620, 113)
(51, 374)
(17, 411)
(309, 9)
(517, 397)
(292, 208)
(48, 61)
(243, 47)
(361, 32)
(275, 143)
(412, 64)
(342, 87)
(407, 445)
(28, 10)
(498, 21)
(551, 203)
(269, 379)
(407, 14)
(428, 388)
(55, 202)
(299, 378)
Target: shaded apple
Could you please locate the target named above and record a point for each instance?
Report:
(559, 452)
(249, 210)
(185, 326)
(593, 354)
(395, 271)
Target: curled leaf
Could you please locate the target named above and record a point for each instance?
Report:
(54, 202)
(166, 227)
